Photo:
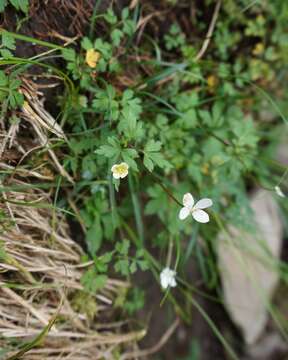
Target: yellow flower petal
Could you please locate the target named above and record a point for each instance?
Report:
(120, 170)
(92, 58)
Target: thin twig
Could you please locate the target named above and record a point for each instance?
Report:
(156, 347)
(210, 31)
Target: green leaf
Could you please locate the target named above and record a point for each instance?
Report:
(110, 17)
(16, 99)
(189, 119)
(105, 103)
(122, 267)
(129, 27)
(108, 151)
(94, 236)
(86, 43)
(128, 155)
(143, 264)
(3, 4)
(3, 79)
(148, 163)
(135, 301)
(133, 267)
(125, 13)
(92, 281)
(20, 5)
(159, 160)
(152, 146)
(69, 54)
(116, 37)
(101, 262)
(113, 150)
(123, 247)
(14, 84)
(153, 157)
(104, 47)
(8, 40)
(6, 54)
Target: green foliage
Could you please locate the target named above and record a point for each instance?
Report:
(92, 281)
(22, 5)
(7, 44)
(198, 133)
(9, 91)
(126, 265)
(95, 277)
(181, 124)
(175, 38)
(135, 300)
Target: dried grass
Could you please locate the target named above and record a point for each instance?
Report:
(40, 265)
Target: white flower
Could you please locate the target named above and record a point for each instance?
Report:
(167, 278)
(195, 210)
(120, 170)
(279, 192)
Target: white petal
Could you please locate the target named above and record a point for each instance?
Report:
(200, 216)
(164, 279)
(114, 167)
(164, 283)
(203, 203)
(167, 278)
(123, 175)
(279, 191)
(173, 282)
(184, 212)
(116, 175)
(188, 200)
(125, 165)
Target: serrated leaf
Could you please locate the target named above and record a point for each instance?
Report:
(86, 43)
(20, 5)
(159, 160)
(123, 247)
(116, 37)
(6, 54)
(128, 156)
(148, 163)
(143, 264)
(108, 151)
(19, 99)
(125, 13)
(92, 281)
(69, 54)
(94, 237)
(3, 4)
(133, 267)
(3, 79)
(110, 17)
(129, 27)
(152, 146)
(8, 40)
(122, 267)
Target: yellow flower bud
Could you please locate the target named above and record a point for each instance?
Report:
(92, 58)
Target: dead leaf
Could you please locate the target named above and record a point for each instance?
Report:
(248, 267)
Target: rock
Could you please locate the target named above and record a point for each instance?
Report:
(248, 267)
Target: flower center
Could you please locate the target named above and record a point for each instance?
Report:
(121, 169)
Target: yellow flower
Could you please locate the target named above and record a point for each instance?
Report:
(212, 82)
(92, 58)
(205, 169)
(120, 170)
(258, 49)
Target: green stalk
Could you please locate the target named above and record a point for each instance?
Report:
(32, 40)
(210, 322)
(137, 210)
